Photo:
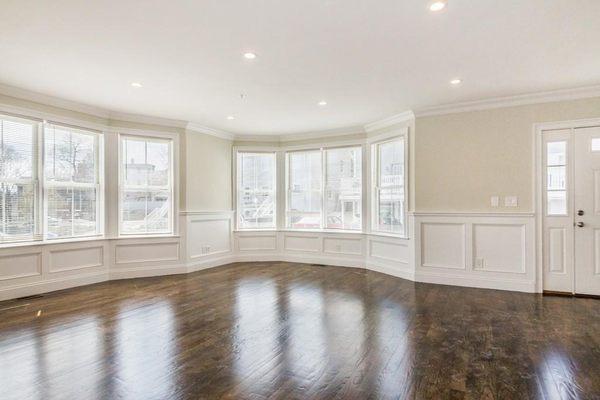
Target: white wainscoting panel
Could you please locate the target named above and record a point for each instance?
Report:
(499, 247)
(19, 264)
(143, 251)
(491, 250)
(257, 241)
(301, 242)
(208, 234)
(78, 257)
(443, 245)
(343, 245)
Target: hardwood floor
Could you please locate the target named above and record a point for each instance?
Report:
(296, 331)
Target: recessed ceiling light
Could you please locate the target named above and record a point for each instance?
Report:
(136, 84)
(250, 56)
(437, 5)
(230, 117)
(322, 103)
(456, 81)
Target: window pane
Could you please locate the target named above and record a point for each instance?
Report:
(343, 206)
(146, 197)
(389, 197)
(71, 212)
(304, 201)
(391, 211)
(84, 212)
(256, 190)
(557, 203)
(16, 151)
(60, 206)
(391, 164)
(70, 155)
(158, 163)
(146, 212)
(134, 158)
(557, 178)
(17, 189)
(16, 214)
(556, 153)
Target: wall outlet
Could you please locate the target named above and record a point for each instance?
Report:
(479, 263)
(495, 201)
(205, 249)
(511, 201)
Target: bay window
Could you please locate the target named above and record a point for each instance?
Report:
(388, 187)
(18, 179)
(324, 189)
(256, 190)
(72, 188)
(146, 186)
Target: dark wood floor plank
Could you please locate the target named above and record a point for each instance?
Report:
(295, 331)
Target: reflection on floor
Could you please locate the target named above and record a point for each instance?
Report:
(295, 331)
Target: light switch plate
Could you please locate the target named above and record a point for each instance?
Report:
(511, 201)
(495, 201)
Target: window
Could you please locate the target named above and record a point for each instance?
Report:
(18, 188)
(71, 182)
(389, 193)
(324, 189)
(556, 178)
(343, 188)
(304, 190)
(146, 194)
(256, 199)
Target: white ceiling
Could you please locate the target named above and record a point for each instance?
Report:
(367, 59)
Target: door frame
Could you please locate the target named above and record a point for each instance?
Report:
(538, 183)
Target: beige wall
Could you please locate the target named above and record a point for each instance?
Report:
(207, 173)
(462, 159)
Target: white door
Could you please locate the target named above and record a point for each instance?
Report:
(571, 232)
(586, 187)
(558, 269)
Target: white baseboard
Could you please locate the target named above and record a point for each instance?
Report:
(34, 288)
(393, 271)
(141, 272)
(476, 282)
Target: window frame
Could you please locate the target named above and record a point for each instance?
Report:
(147, 137)
(35, 181)
(98, 185)
(237, 152)
(375, 188)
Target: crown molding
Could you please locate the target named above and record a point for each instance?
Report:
(107, 115)
(197, 128)
(510, 101)
(390, 121)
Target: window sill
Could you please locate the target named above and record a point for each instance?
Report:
(48, 242)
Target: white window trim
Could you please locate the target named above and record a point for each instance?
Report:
(173, 179)
(374, 179)
(237, 178)
(99, 185)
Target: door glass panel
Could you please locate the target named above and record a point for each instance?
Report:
(557, 153)
(556, 178)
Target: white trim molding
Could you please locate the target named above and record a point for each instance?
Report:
(511, 101)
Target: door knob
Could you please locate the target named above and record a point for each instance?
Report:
(580, 224)
(580, 212)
